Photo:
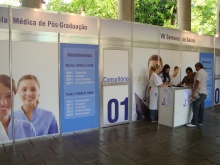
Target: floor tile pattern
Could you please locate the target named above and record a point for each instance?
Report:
(137, 143)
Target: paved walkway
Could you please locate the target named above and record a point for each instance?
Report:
(136, 143)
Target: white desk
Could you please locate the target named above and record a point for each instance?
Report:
(174, 108)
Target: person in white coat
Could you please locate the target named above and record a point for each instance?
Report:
(155, 82)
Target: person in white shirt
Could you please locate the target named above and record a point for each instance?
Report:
(174, 77)
(200, 88)
(155, 82)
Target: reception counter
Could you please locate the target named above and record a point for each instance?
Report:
(174, 106)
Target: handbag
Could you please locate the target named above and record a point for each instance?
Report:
(145, 93)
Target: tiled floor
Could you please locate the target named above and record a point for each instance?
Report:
(136, 143)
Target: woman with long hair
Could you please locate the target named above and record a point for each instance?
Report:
(22, 129)
(155, 83)
(165, 75)
(43, 120)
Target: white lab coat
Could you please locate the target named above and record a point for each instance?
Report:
(155, 81)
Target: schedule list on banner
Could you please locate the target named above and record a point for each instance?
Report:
(79, 82)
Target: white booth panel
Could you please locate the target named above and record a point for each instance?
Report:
(193, 39)
(182, 108)
(115, 28)
(143, 59)
(40, 60)
(217, 42)
(169, 35)
(217, 67)
(174, 106)
(78, 24)
(217, 92)
(189, 59)
(115, 104)
(115, 89)
(189, 38)
(115, 66)
(143, 32)
(206, 41)
(4, 57)
(36, 20)
(166, 106)
(4, 19)
(172, 58)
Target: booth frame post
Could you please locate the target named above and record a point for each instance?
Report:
(173, 109)
(60, 123)
(158, 122)
(181, 58)
(10, 71)
(100, 68)
(101, 86)
(213, 94)
(130, 75)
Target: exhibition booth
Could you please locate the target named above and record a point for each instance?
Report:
(87, 73)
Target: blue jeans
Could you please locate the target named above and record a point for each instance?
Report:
(198, 109)
(153, 115)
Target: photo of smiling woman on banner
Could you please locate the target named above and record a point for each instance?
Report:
(43, 120)
(22, 129)
(143, 60)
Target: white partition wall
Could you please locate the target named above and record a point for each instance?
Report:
(115, 86)
(217, 81)
(91, 72)
(145, 54)
(185, 56)
(115, 54)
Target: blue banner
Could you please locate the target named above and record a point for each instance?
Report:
(79, 87)
(207, 59)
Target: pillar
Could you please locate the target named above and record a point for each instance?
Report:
(31, 3)
(184, 14)
(126, 10)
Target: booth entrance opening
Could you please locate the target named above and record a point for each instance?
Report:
(115, 87)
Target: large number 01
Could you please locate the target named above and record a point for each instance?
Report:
(216, 95)
(113, 105)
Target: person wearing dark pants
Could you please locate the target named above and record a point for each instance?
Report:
(199, 93)
(155, 83)
(198, 110)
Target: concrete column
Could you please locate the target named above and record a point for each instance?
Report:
(31, 3)
(126, 10)
(184, 14)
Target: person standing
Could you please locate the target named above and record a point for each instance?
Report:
(155, 82)
(200, 88)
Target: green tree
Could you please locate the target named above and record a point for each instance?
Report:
(99, 8)
(203, 16)
(155, 12)
(11, 2)
(164, 13)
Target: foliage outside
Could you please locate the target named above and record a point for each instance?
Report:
(154, 12)
(99, 8)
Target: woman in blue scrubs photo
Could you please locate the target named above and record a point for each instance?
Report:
(22, 129)
(43, 120)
